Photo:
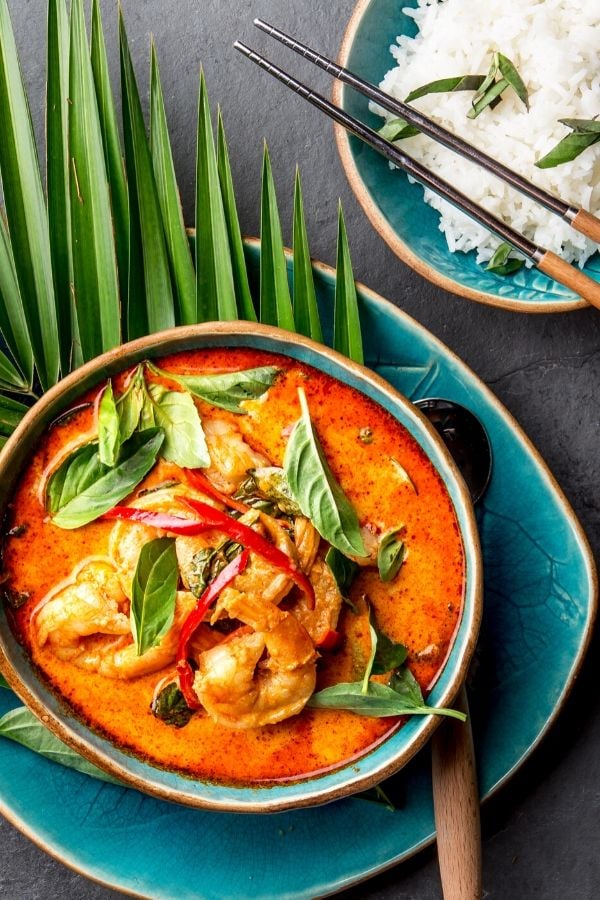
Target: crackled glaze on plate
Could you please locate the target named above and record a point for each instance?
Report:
(396, 208)
(540, 595)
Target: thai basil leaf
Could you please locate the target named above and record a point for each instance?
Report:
(21, 726)
(491, 96)
(371, 660)
(315, 489)
(391, 554)
(208, 562)
(397, 130)
(154, 593)
(225, 390)
(569, 148)
(170, 707)
(582, 126)
(92, 498)
(389, 655)
(379, 701)
(343, 569)
(447, 86)
(81, 469)
(271, 484)
(509, 72)
(129, 405)
(176, 413)
(500, 262)
(109, 437)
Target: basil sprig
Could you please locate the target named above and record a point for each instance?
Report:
(502, 263)
(502, 74)
(226, 390)
(402, 696)
(584, 133)
(154, 593)
(83, 488)
(270, 484)
(170, 707)
(315, 490)
(398, 129)
(176, 413)
(391, 554)
(208, 562)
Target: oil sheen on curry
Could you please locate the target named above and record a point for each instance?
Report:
(234, 566)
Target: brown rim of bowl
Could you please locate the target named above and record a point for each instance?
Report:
(119, 357)
(381, 224)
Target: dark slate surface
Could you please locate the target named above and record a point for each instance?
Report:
(541, 834)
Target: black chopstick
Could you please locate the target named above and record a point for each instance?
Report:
(580, 219)
(545, 260)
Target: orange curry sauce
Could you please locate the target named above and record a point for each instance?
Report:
(420, 608)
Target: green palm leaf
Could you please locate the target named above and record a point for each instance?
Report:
(11, 413)
(113, 157)
(306, 312)
(57, 176)
(10, 378)
(12, 316)
(236, 246)
(215, 290)
(347, 337)
(94, 264)
(157, 294)
(178, 245)
(275, 301)
(26, 208)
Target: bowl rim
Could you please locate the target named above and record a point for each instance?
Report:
(117, 360)
(381, 224)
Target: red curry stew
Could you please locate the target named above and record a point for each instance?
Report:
(115, 608)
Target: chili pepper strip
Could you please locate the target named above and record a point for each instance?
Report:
(209, 595)
(199, 481)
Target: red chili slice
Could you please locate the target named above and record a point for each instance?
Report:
(205, 486)
(184, 669)
(330, 641)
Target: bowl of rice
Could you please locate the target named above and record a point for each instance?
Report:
(553, 45)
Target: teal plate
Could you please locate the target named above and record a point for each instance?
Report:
(540, 595)
(396, 208)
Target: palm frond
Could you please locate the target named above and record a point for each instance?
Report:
(215, 290)
(347, 337)
(26, 208)
(275, 300)
(11, 413)
(157, 295)
(95, 281)
(306, 311)
(10, 378)
(13, 324)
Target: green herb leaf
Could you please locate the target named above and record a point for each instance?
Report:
(89, 499)
(347, 337)
(306, 311)
(109, 439)
(57, 176)
(113, 155)
(315, 489)
(13, 323)
(178, 245)
(509, 73)
(227, 390)
(569, 148)
(154, 593)
(207, 563)
(130, 403)
(500, 263)
(215, 289)
(275, 301)
(397, 130)
(243, 296)
(403, 474)
(22, 727)
(271, 484)
(175, 412)
(371, 660)
(391, 554)
(11, 413)
(488, 99)
(344, 570)
(379, 701)
(170, 707)
(447, 86)
(81, 469)
(26, 209)
(95, 281)
(389, 654)
(582, 126)
(144, 204)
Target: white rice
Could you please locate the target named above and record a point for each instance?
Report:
(555, 45)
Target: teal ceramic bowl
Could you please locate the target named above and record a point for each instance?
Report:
(375, 765)
(396, 208)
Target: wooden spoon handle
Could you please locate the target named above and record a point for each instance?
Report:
(456, 805)
(571, 277)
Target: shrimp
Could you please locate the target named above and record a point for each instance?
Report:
(307, 540)
(258, 678)
(328, 601)
(230, 455)
(86, 622)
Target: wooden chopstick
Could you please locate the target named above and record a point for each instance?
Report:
(580, 219)
(545, 260)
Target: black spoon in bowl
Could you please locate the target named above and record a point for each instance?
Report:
(454, 774)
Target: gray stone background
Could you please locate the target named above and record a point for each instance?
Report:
(541, 834)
